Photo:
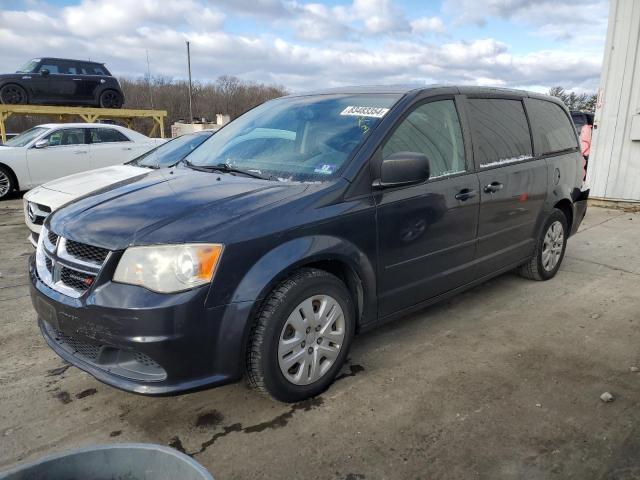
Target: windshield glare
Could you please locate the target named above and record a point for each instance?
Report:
(171, 152)
(300, 138)
(25, 137)
(29, 66)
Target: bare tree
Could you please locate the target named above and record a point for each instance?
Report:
(227, 94)
(575, 101)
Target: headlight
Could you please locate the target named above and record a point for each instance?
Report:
(169, 268)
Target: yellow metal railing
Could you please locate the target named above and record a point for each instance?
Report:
(89, 115)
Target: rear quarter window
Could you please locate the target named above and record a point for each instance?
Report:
(500, 131)
(552, 129)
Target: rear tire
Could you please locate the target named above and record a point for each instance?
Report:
(13, 95)
(7, 183)
(111, 99)
(550, 248)
(301, 336)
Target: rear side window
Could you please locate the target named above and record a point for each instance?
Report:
(432, 129)
(500, 131)
(552, 129)
(107, 135)
(92, 69)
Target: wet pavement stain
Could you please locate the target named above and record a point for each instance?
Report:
(176, 443)
(353, 371)
(277, 422)
(354, 476)
(115, 433)
(282, 419)
(64, 397)
(58, 371)
(209, 419)
(86, 393)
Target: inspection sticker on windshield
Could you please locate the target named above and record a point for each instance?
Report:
(375, 112)
(325, 169)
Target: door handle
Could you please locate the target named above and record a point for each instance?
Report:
(493, 187)
(77, 79)
(79, 152)
(465, 194)
(127, 148)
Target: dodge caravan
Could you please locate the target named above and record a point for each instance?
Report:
(303, 222)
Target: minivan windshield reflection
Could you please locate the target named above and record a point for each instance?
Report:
(305, 139)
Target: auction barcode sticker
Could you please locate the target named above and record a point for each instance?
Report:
(375, 112)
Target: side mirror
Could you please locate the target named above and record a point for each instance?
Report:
(403, 168)
(42, 143)
(44, 72)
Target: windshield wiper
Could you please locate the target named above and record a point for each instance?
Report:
(226, 168)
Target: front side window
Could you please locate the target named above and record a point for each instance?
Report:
(307, 138)
(107, 135)
(432, 129)
(67, 136)
(25, 137)
(52, 67)
(552, 129)
(500, 131)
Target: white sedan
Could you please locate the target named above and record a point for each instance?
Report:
(55, 150)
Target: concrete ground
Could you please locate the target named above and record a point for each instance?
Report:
(503, 381)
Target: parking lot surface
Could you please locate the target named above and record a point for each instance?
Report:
(502, 381)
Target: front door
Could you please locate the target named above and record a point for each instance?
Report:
(513, 184)
(427, 232)
(61, 86)
(67, 153)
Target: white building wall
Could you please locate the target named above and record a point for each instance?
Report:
(614, 162)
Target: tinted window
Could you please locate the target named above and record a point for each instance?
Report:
(434, 130)
(68, 136)
(500, 131)
(106, 135)
(92, 69)
(552, 129)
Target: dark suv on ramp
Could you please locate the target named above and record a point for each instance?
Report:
(61, 81)
(306, 220)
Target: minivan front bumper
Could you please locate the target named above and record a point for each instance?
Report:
(141, 341)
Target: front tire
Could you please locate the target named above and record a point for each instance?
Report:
(6, 183)
(13, 95)
(550, 248)
(111, 99)
(301, 336)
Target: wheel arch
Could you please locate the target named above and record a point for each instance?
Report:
(331, 254)
(566, 207)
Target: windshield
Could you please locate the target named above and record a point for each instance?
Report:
(29, 66)
(300, 138)
(171, 152)
(25, 137)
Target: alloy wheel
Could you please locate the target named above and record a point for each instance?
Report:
(110, 99)
(13, 95)
(5, 184)
(552, 246)
(311, 339)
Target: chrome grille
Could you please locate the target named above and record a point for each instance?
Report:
(67, 266)
(35, 212)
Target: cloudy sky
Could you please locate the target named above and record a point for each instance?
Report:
(301, 44)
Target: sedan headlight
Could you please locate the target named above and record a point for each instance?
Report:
(169, 268)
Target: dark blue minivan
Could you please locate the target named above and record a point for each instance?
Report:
(306, 220)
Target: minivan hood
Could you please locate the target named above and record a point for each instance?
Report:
(166, 206)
